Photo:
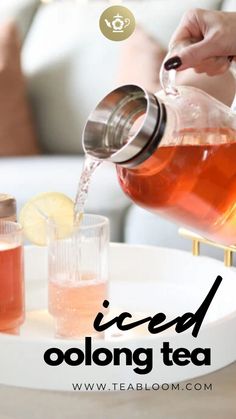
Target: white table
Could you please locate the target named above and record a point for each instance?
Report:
(217, 404)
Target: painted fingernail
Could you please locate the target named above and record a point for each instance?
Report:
(173, 63)
(230, 58)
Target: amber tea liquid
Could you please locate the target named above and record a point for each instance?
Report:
(11, 288)
(193, 183)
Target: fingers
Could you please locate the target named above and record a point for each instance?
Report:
(189, 28)
(193, 55)
(213, 66)
(204, 40)
(202, 57)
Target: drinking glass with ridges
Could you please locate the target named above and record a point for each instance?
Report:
(78, 275)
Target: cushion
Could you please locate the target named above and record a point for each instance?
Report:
(141, 48)
(70, 65)
(17, 136)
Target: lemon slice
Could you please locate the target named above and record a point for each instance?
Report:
(39, 210)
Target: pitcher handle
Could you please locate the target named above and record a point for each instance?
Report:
(168, 78)
(233, 72)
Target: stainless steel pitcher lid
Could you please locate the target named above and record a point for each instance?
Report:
(123, 124)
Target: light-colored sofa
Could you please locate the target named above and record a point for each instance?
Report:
(69, 66)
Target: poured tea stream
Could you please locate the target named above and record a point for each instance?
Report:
(90, 165)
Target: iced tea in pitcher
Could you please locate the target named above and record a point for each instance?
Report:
(194, 184)
(175, 155)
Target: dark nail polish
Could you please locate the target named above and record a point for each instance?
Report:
(173, 63)
(230, 58)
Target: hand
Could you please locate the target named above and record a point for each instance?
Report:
(211, 42)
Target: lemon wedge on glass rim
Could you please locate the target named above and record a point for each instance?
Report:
(42, 209)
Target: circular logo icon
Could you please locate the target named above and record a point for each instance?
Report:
(117, 23)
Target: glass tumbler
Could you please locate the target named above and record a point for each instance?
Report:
(78, 275)
(12, 304)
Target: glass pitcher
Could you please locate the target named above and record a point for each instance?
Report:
(175, 155)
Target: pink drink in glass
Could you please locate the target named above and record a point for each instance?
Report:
(78, 275)
(75, 304)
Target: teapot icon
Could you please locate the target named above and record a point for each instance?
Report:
(118, 24)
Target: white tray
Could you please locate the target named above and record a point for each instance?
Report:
(143, 280)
